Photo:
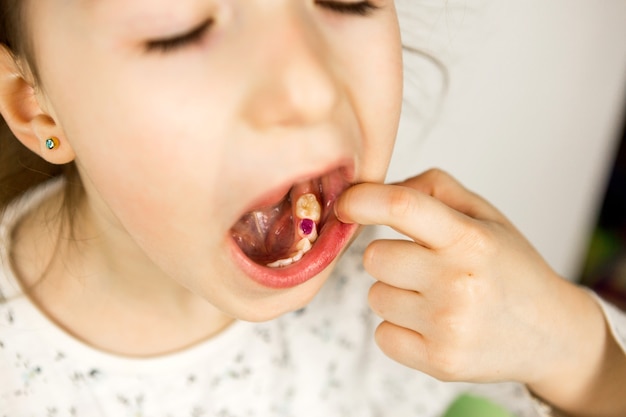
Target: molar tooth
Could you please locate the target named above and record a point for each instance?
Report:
(307, 207)
(297, 256)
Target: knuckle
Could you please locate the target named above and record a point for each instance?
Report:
(449, 365)
(439, 176)
(402, 203)
(468, 290)
(449, 354)
(455, 326)
(436, 173)
(480, 239)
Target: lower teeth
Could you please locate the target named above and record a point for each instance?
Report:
(308, 213)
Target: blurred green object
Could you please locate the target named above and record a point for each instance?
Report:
(604, 246)
(470, 406)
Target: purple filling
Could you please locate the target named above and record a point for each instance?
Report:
(306, 226)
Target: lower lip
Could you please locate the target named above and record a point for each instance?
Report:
(333, 237)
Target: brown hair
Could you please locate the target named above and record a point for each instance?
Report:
(20, 169)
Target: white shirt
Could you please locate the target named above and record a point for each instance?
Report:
(319, 361)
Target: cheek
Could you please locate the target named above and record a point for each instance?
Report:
(150, 177)
(381, 118)
(377, 88)
(158, 170)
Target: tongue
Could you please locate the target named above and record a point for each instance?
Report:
(268, 234)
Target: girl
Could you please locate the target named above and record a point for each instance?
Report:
(216, 158)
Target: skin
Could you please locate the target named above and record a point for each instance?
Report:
(466, 299)
(172, 148)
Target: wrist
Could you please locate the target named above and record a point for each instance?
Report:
(575, 355)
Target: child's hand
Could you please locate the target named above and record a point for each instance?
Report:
(468, 298)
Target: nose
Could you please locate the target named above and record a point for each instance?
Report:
(293, 78)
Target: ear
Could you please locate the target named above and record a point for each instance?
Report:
(23, 114)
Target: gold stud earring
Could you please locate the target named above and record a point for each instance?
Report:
(52, 143)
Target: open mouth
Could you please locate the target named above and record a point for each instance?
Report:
(293, 236)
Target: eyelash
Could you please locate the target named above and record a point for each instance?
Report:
(362, 8)
(179, 42)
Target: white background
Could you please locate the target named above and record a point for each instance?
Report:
(532, 112)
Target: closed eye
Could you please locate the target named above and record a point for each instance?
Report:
(179, 41)
(174, 43)
(362, 8)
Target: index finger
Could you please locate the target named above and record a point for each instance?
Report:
(415, 214)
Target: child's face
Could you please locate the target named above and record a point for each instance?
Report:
(177, 141)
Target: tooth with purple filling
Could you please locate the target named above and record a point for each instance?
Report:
(308, 212)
